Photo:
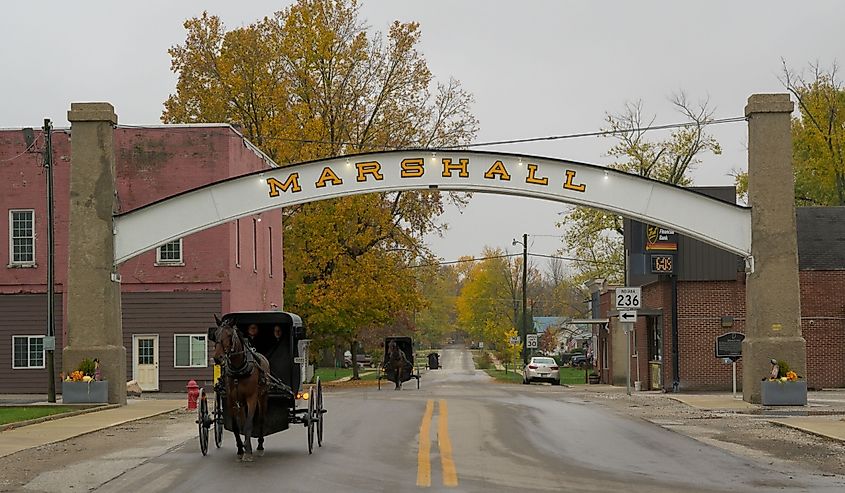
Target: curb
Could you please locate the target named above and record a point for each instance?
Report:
(806, 430)
(19, 424)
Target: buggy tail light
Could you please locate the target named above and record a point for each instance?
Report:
(533, 367)
(303, 395)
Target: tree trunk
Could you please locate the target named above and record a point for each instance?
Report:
(354, 350)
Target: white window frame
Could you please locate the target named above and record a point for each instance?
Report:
(12, 261)
(171, 262)
(29, 367)
(205, 358)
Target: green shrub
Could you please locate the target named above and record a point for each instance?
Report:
(87, 367)
(783, 368)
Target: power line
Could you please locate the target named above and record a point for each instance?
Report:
(492, 257)
(599, 133)
(31, 146)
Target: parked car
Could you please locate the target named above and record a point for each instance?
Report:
(541, 368)
(580, 361)
(362, 359)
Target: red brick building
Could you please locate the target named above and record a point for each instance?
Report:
(708, 308)
(169, 294)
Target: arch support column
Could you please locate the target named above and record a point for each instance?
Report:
(94, 328)
(773, 292)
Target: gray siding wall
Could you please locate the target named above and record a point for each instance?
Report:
(26, 315)
(167, 314)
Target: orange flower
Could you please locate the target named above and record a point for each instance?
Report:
(791, 376)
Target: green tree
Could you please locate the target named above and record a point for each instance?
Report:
(818, 137)
(311, 81)
(595, 236)
(438, 316)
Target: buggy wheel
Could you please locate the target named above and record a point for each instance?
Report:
(218, 419)
(320, 413)
(202, 419)
(309, 423)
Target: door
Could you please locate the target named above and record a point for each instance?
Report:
(145, 361)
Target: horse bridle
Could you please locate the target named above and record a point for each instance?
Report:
(246, 367)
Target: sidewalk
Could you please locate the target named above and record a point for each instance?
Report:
(823, 416)
(57, 430)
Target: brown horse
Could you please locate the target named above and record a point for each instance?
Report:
(245, 372)
(396, 364)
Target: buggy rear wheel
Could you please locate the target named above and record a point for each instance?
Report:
(309, 423)
(202, 421)
(218, 419)
(320, 412)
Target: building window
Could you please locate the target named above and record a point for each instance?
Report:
(190, 351)
(27, 352)
(170, 253)
(237, 242)
(22, 237)
(254, 245)
(270, 235)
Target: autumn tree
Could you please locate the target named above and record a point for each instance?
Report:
(308, 82)
(595, 236)
(818, 137)
(439, 286)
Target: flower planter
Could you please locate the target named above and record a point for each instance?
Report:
(85, 392)
(783, 393)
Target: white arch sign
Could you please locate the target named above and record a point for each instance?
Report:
(718, 223)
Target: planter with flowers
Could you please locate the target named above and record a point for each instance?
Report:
(84, 386)
(783, 387)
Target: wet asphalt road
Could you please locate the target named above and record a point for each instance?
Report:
(477, 436)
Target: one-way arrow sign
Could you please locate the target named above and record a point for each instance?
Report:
(628, 316)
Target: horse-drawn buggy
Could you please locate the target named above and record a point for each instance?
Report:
(260, 390)
(398, 365)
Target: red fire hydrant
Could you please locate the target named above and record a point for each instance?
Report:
(193, 394)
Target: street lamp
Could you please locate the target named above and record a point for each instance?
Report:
(524, 331)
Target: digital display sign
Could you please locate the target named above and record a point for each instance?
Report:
(662, 264)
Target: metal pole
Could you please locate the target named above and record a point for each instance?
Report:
(628, 352)
(51, 322)
(676, 365)
(733, 364)
(524, 299)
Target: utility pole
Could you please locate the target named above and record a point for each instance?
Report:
(50, 340)
(524, 298)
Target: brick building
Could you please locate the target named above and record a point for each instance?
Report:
(711, 302)
(169, 294)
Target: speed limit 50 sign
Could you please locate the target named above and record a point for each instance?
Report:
(628, 298)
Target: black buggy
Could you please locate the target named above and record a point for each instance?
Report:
(288, 402)
(395, 371)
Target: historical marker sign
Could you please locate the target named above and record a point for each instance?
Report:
(729, 345)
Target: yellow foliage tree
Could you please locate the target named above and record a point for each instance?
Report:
(311, 81)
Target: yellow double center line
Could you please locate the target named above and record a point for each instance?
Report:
(444, 443)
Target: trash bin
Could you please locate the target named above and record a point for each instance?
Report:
(433, 361)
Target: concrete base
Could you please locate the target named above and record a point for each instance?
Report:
(112, 366)
(756, 356)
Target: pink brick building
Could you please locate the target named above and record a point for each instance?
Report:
(170, 294)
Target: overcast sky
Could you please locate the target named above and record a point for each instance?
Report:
(536, 68)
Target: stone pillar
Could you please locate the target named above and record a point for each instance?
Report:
(773, 296)
(94, 328)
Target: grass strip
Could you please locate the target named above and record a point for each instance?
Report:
(14, 414)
